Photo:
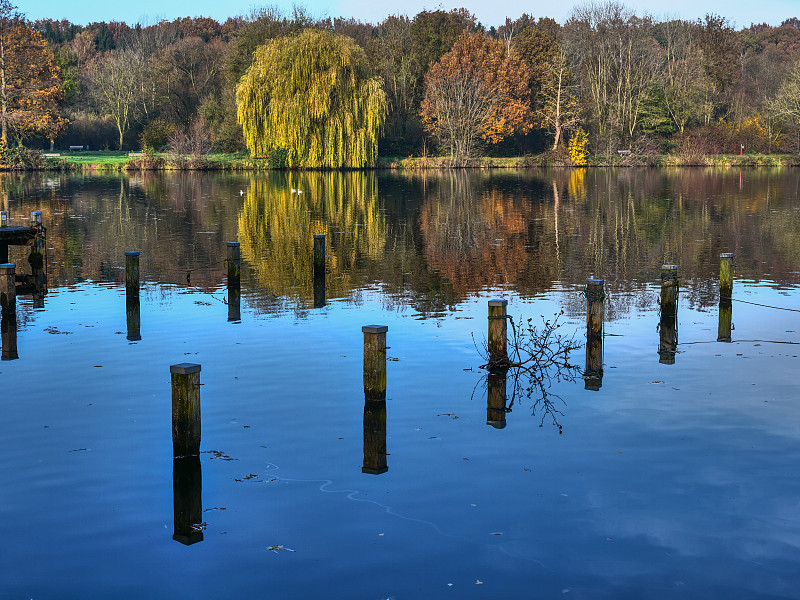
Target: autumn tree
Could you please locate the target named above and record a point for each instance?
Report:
(311, 96)
(477, 91)
(786, 103)
(30, 84)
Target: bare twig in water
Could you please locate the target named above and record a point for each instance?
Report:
(538, 357)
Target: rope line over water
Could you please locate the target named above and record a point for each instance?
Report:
(757, 304)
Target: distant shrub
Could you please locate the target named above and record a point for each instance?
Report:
(18, 157)
(155, 136)
(577, 147)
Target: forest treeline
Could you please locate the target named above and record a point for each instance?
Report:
(606, 80)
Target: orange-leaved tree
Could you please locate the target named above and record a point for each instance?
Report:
(477, 91)
(30, 80)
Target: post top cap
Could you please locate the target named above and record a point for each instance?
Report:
(319, 235)
(497, 302)
(592, 281)
(132, 253)
(726, 254)
(233, 244)
(669, 267)
(8, 266)
(375, 328)
(184, 368)
(36, 212)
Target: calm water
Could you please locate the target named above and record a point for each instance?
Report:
(672, 481)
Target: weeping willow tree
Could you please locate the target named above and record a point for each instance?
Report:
(311, 96)
(277, 227)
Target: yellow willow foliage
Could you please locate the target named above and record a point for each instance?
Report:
(311, 96)
(277, 228)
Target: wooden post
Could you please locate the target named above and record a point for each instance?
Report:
(36, 259)
(498, 327)
(185, 409)
(187, 500)
(234, 264)
(133, 318)
(496, 399)
(8, 288)
(726, 275)
(375, 362)
(319, 270)
(595, 313)
(3, 218)
(319, 255)
(234, 282)
(8, 327)
(132, 276)
(375, 461)
(668, 323)
(669, 290)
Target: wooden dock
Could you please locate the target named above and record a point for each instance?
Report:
(15, 236)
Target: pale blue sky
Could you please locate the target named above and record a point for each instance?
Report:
(489, 13)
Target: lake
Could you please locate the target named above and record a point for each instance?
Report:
(673, 471)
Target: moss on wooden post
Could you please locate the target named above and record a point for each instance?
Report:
(375, 362)
(498, 329)
(595, 313)
(726, 275)
(375, 461)
(187, 500)
(496, 398)
(185, 409)
(8, 288)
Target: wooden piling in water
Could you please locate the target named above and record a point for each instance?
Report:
(8, 288)
(725, 320)
(185, 409)
(319, 270)
(319, 255)
(234, 265)
(3, 218)
(132, 276)
(595, 314)
(726, 275)
(669, 290)
(36, 259)
(498, 330)
(375, 362)
(234, 282)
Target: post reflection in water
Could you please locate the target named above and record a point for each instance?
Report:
(496, 397)
(187, 489)
(133, 317)
(374, 437)
(725, 320)
(595, 313)
(668, 323)
(8, 325)
(234, 305)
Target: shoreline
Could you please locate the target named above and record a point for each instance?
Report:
(123, 162)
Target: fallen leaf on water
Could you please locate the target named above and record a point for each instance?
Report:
(279, 547)
(478, 582)
(497, 533)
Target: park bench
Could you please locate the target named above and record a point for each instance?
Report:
(135, 154)
(623, 152)
(76, 147)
